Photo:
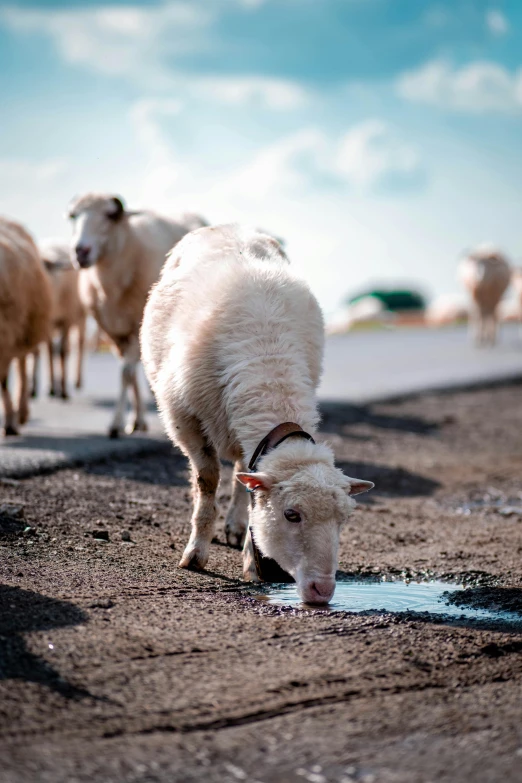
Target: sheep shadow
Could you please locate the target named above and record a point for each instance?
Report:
(337, 416)
(24, 611)
(389, 481)
(32, 454)
(161, 466)
(108, 403)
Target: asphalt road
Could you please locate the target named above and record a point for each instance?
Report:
(360, 367)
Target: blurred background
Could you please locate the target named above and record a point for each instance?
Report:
(379, 138)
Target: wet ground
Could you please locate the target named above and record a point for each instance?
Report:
(117, 666)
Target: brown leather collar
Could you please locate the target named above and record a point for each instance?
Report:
(269, 570)
(274, 438)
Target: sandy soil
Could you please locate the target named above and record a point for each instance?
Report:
(117, 666)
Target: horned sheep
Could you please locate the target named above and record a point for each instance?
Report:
(121, 254)
(486, 273)
(232, 345)
(25, 313)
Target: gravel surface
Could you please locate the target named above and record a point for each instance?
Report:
(117, 666)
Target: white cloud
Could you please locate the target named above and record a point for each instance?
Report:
(35, 191)
(365, 158)
(497, 22)
(275, 169)
(271, 93)
(141, 44)
(370, 152)
(479, 87)
(27, 173)
(127, 41)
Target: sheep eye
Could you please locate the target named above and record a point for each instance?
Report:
(72, 216)
(292, 515)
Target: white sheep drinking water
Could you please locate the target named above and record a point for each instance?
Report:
(121, 254)
(232, 344)
(486, 274)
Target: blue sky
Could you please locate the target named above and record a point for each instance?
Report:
(379, 137)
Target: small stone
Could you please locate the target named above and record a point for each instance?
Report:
(12, 511)
(100, 535)
(510, 511)
(125, 535)
(29, 531)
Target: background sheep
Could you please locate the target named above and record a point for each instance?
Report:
(232, 345)
(68, 313)
(516, 278)
(121, 254)
(25, 311)
(486, 274)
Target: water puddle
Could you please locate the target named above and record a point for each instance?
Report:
(505, 505)
(446, 599)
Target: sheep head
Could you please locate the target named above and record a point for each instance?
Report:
(94, 217)
(301, 503)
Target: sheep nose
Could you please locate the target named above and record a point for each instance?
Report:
(319, 591)
(82, 254)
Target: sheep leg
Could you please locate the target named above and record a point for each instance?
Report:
(50, 351)
(204, 465)
(138, 423)
(249, 563)
(130, 352)
(116, 427)
(64, 355)
(477, 327)
(10, 427)
(237, 514)
(81, 351)
(35, 373)
(493, 329)
(23, 401)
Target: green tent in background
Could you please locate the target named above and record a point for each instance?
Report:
(393, 300)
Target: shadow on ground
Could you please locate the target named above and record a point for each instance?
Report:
(29, 455)
(397, 482)
(337, 416)
(108, 403)
(164, 466)
(23, 611)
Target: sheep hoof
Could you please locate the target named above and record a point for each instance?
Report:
(193, 559)
(23, 417)
(33, 394)
(250, 574)
(235, 538)
(64, 395)
(114, 433)
(10, 430)
(51, 393)
(136, 426)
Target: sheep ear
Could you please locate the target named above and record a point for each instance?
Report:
(118, 209)
(358, 485)
(255, 481)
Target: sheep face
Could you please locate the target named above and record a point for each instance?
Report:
(297, 522)
(94, 220)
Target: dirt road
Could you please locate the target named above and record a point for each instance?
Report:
(117, 666)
